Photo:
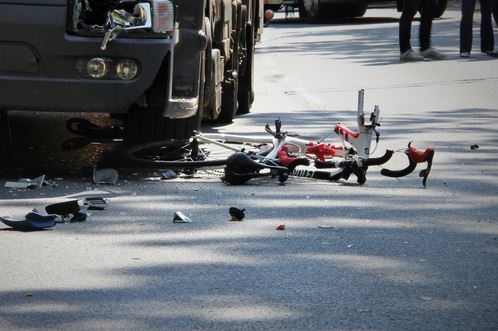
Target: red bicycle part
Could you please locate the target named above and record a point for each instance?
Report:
(415, 156)
(323, 150)
(290, 162)
(343, 131)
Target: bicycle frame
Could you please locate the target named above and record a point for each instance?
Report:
(353, 143)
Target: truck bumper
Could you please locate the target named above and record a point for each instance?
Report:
(38, 64)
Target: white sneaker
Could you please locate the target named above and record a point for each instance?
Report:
(410, 55)
(431, 53)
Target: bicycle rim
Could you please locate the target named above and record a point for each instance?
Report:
(192, 154)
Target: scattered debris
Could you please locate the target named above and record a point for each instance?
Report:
(79, 217)
(105, 176)
(169, 174)
(281, 227)
(33, 221)
(364, 310)
(237, 214)
(26, 183)
(475, 146)
(71, 207)
(95, 203)
(63, 209)
(181, 218)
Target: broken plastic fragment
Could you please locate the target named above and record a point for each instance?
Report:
(169, 174)
(105, 176)
(237, 214)
(181, 218)
(475, 146)
(95, 203)
(119, 20)
(26, 183)
(63, 209)
(32, 221)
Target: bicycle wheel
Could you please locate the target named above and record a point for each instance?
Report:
(192, 154)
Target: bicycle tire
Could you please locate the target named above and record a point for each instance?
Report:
(179, 154)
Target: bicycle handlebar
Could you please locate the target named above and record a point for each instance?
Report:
(415, 156)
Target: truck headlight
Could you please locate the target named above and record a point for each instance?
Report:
(96, 68)
(163, 16)
(126, 69)
(106, 68)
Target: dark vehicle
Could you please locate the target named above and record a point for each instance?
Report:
(321, 10)
(160, 65)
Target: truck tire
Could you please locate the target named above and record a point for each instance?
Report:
(313, 10)
(146, 123)
(438, 11)
(230, 85)
(440, 8)
(246, 77)
(358, 9)
(274, 8)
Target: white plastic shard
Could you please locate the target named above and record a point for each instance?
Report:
(105, 176)
(181, 218)
(26, 183)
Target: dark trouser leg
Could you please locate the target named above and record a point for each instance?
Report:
(468, 7)
(487, 37)
(495, 11)
(428, 8)
(410, 8)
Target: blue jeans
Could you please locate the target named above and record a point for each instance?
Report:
(410, 8)
(487, 37)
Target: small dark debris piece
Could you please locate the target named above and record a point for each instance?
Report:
(475, 146)
(78, 217)
(237, 214)
(281, 227)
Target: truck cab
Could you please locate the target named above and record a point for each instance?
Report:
(160, 65)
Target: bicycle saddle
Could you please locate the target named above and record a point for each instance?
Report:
(241, 168)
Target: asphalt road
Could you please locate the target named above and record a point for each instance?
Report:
(388, 255)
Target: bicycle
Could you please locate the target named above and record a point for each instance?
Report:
(244, 157)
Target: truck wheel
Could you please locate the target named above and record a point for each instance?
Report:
(230, 85)
(275, 8)
(246, 86)
(229, 98)
(440, 8)
(146, 123)
(313, 10)
(358, 9)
